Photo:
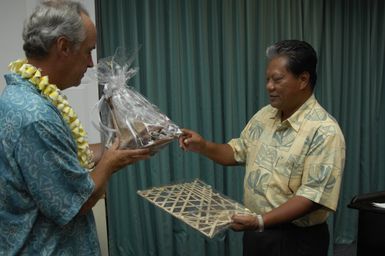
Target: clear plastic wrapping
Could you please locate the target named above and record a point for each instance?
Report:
(196, 204)
(125, 112)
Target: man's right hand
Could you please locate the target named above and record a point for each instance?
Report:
(115, 158)
(191, 141)
(220, 153)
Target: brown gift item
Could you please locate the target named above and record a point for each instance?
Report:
(138, 133)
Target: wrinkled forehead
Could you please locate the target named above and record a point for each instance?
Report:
(278, 63)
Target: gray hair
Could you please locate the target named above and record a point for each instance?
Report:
(50, 20)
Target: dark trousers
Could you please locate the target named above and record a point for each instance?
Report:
(287, 240)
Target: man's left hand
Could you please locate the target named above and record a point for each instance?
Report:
(244, 222)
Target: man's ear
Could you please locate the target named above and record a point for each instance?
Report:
(304, 80)
(63, 46)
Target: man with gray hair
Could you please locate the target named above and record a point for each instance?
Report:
(294, 153)
(50, 177)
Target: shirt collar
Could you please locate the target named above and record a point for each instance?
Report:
(12, 79)
(296, 119)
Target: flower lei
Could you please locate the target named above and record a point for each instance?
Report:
(52, 93)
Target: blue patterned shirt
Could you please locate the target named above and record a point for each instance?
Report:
(42, 185)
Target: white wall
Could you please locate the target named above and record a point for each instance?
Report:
(82, 98)
(12, 15)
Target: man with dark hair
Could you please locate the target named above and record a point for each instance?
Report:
(294, 153)
(46, 188)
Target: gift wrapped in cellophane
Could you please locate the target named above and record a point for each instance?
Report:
(125, 112)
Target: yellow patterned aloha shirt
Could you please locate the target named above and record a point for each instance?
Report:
(303, 155)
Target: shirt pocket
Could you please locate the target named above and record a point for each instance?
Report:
(294, 184)
(287, 174)
(295, 165)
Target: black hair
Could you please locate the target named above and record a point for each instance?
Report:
(300, 55)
